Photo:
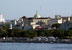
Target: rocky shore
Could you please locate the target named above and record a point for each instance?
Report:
(34, 40)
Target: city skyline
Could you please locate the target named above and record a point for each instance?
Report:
(15, 9)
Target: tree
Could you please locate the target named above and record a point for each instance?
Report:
(41, 33)
(69, 32)
(2, 33)
(57, 25)
(58, 33)
(49, 32)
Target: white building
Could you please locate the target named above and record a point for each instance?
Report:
(15, 24)
(10, 26)
(54, 21)
(2, 19)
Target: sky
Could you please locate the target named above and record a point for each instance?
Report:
(14, 9)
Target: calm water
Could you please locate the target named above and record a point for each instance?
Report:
(34, 46)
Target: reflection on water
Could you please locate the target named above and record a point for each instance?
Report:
(34, 46)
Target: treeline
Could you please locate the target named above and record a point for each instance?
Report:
(35, 33)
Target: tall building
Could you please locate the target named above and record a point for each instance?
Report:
(2, 19)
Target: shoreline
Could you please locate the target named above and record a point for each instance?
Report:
(35, 42)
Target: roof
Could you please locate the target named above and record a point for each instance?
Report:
(38, 18)
(66, 18)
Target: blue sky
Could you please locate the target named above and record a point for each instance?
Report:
(14, 9)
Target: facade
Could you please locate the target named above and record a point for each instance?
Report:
(38, 22)
(54, 21)
(67, 25)
(15, 24)
(2, 20)
(34, 22)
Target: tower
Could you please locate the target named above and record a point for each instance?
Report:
(15, 22)
(10, 26)
(1, 18)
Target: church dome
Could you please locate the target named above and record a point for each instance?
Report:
(37, 15)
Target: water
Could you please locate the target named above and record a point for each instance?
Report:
(34, 46)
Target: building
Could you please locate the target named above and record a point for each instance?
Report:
(54, 21)
(64, 21)
(15, 24)
(67, 25)
(2, 20)
(34, 22)
(38, 22)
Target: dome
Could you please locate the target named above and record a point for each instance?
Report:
(37, 15)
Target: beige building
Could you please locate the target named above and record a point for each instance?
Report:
(35, 21)
(38, 22)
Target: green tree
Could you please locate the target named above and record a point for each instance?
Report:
(56, 25)
(49, 32)
(69, 33)
(58, 33)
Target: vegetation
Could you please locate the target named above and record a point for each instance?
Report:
(57, 25)
(35, 33)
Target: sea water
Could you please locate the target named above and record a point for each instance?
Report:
(34, 46)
